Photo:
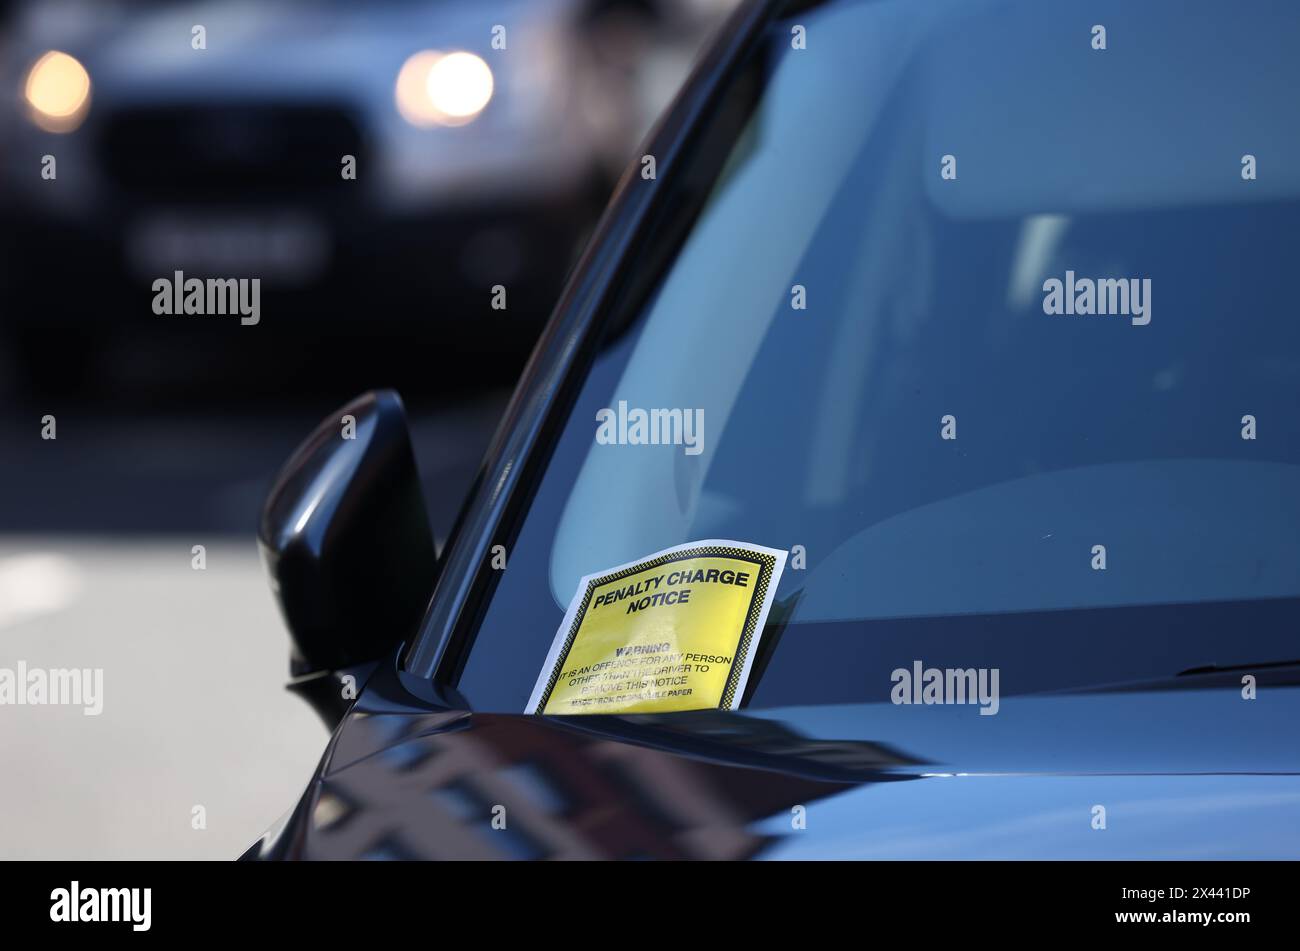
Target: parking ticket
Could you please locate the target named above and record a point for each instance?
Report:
(676, 630)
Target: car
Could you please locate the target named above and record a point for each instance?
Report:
(983, 307)
(387, 160)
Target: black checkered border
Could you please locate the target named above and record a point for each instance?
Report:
(765, 563)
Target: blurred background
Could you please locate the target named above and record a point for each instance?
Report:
(381, 167)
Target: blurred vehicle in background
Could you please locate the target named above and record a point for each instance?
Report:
(376, 165)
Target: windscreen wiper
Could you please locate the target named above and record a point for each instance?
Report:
(1233, 668)
(1275, 673)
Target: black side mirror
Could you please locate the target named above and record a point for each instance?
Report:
(346, 539)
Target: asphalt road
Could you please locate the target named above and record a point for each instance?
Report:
(96, 532)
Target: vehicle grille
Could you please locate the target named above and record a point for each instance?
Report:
(196, 151)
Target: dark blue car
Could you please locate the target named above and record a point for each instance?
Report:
(989, 313)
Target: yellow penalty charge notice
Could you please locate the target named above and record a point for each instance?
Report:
(676, 630)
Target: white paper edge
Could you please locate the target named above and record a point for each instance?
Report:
(557, 643)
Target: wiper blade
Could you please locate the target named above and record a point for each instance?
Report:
(1230, 668)
(1281, 673)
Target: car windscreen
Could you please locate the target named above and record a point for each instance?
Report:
(988, 319)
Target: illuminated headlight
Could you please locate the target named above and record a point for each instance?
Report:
(57, 92)
(435, 88)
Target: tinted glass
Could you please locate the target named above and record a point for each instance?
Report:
(1047, 325)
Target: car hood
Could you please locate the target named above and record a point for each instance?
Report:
(1135, 773)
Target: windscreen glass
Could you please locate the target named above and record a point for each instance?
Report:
(989, 320)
